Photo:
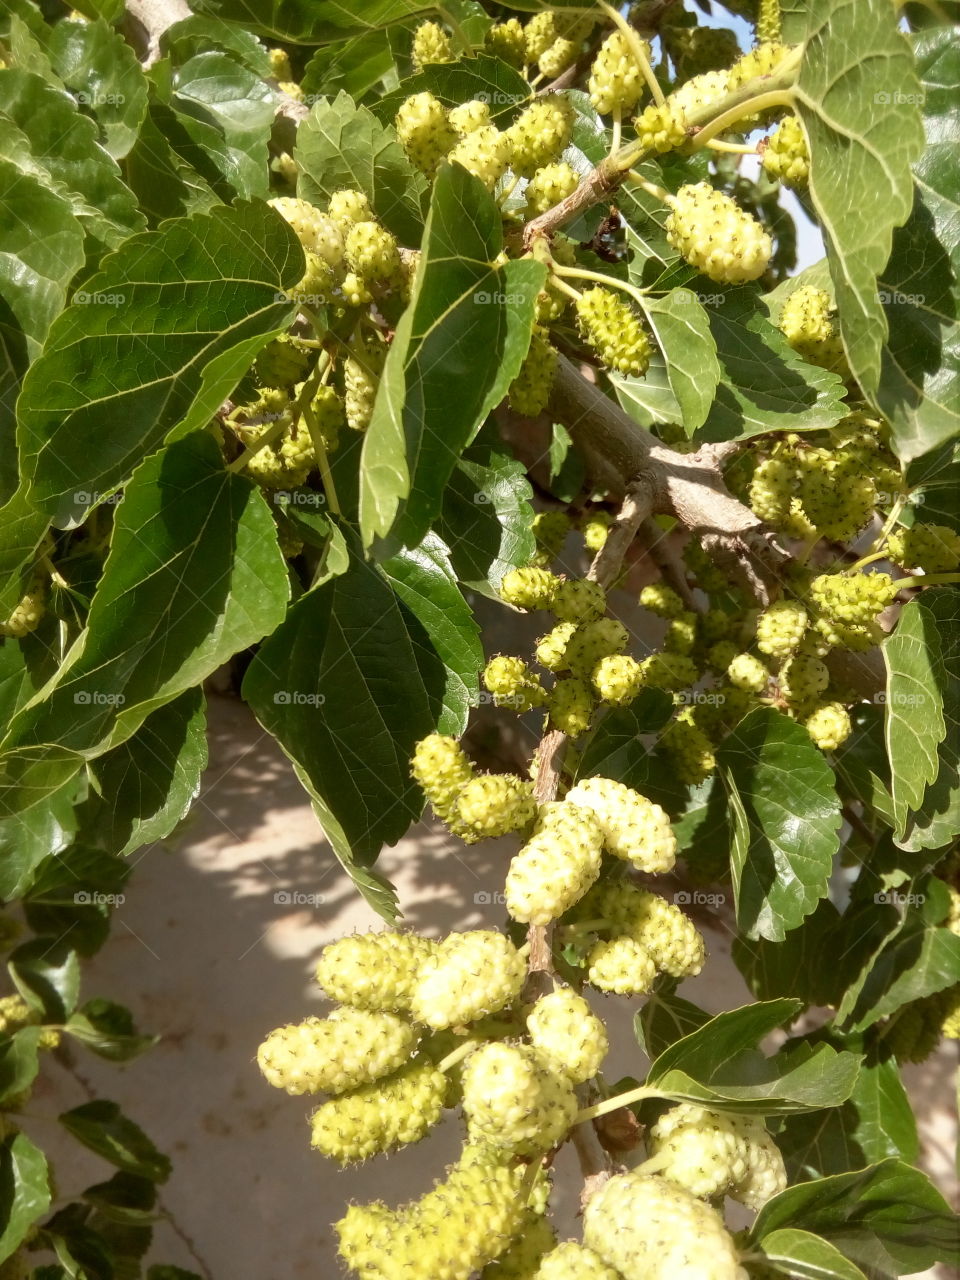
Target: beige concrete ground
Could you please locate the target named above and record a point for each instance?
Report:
(212, 949)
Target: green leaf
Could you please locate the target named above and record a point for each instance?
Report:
(615, 749)
(353, 66)
(155, 343)
(486, 519)
(24, 1191)
(786, 816)
(665, 1019)
(808, 1257)
(347, 685)
(46, 972)
(343, 145)
(18, 1063)
(167, 183)
(110, 10)
(314, 21)
(458, 346)
(72, 894)
(126, 1197)
(682, 330)
(937, 819)
(887, 1218)
(65, 144)
(934, 481)
(424, 581)
(801, 965)
(764, 384)
(193, 35)
(650, 399)
(41, 249)
(147, 785)
(481, 78)
(876, 1122)
(567, 471)
(38, 831)
(107, 1029)
(914, 725)
(919, 388)
(194, 575)
(856, 95)
(102, 72)
(102, 1126)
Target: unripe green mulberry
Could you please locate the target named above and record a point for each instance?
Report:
(361, 378)
(521, 1260)
(513, 684)
(442, 769)
(716, 236)
(661, 128)
(318, 281)
(551, 650)
(540, 134)
(568, 1035)
(530, 389)
(650, 1229)
(858, 637)
(572, 1261)
(829, 725)
(281, 363)
(689, 748)
(561, 54)
(611, 326)
(347, 207)
(469, 116)
(485, 153)
(506, 40)
(424, 131)
(704, 49)
(617, 679)
(469, 975)
(492, 805)
(670, 671)
(836, 495)
(621, 966)
(578, 600)
(550, 528)
(661, 600)
(512, 1099)
(806, 323)
(780, 628)
(26, 616)
(550, 185)
(786, 155)
(354, 291)
(932, 548)
(431, 45)
(539, 34)
(616, 81)
(593, 641)
(802, 678)
(772, 489)
(529, 588)
(374, 971)
(915, 1031)
(760, 61)
(571, 704)
(555, 867)
(747, 672)
(378, 1117)
(329, 417)
(681, 634)
(634, 828)
(721, 654)
(699, 92)
(857, 598)
(329, 1055)
(595, 530)
(315, 230)
(372, 252)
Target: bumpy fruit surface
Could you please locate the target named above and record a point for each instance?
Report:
(661, 600)
(506, 40)
(469, 116)
(716, 236)
(621, 966)
(512, 1099)
(556, 866)
(361, 377)
(539, 34)
(330, 1055)
(634, 828)
(802, 678)
(539, 134)
(468, 976)
(772, 488)
(550, 528)
(806, 323)
(786, 156)
(485, 152)
(492, 805)
(431, 44)
(530, 389)
(512, 683)
(617, 679)
(442, 769)
(571, 704)
(281, 363)
(521, 1260)
(372, 252)
(348, 206)
(670, 938)
(829, 725)
(566, 1032)
(857, 598)
(373, 971)
(661, 128)
(424, 131)
(616, 81)
(529, 588)
(690, 748)
(315, 230)
(551, 649)
(747, 672)
(572, 1261)
(933, 548)
(561, 54)
(780, 628)
(578, 600)
(378, 1117)
(26, 616)
(649, 1229)
(593, 641)
(614, 330)
(550, 185)
(711, 1153)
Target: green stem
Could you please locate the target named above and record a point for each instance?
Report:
(651, 188)
(462, 38)
(927, 580)
(881, 538)
(762, 102)
(864, 561)
(459, 1053)
(619, 1100)
(617, 134)
(273, 432)
(735, 148)
(581, 273)
(323, 459)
